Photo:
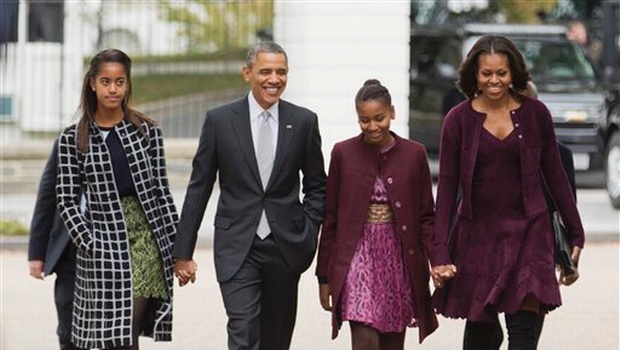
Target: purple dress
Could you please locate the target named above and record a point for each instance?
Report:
(377, 291)
(501, 255)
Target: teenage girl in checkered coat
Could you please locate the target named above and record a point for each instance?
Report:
(114, 198)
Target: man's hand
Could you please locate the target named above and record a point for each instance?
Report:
(185, 271)
(36, 269)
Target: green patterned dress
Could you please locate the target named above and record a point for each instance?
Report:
(146, 262)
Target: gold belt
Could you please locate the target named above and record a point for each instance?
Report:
(379, 214)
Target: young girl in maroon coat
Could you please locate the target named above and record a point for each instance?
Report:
(372, 264)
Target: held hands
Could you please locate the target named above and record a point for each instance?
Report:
(442, 273)
(567, 280)
(36, 269)
(185, 271)
(325, 297)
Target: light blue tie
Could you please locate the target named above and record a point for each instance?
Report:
(264, 157)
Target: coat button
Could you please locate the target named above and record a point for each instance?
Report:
(520, 136)
(390, 180)
(397, 204)
(411, 251)
(404, 228)
(516, 125)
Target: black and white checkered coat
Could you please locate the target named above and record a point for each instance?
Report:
(103, 290)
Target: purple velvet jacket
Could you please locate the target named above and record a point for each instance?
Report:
(539, 155)
(353, 169)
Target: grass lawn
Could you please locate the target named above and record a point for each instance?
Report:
(157, 87)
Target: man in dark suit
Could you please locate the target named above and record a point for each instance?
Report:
(50, 251)
(265, 237)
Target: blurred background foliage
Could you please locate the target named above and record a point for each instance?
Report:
(222, 30)
(505, 11)
(214, 31)
(12, 227)
(219, 26)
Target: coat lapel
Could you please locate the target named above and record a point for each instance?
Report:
(243, 131)
(286, 126)
(135, 145)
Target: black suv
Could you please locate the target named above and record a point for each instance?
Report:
(568, 83)
(612, 151)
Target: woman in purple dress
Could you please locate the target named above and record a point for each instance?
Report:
(373, 266)
(493, 248)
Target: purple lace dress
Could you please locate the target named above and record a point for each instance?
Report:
(501, 254)
(377, 291)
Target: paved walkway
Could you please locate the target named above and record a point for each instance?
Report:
(588, 320)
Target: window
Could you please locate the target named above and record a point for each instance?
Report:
(8, 21)
(46, 21)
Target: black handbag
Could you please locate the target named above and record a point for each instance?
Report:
(562, 249)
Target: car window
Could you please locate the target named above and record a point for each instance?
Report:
(448, 58)
(422, 56)
(550, 60)
(555, 60)
(433, 57)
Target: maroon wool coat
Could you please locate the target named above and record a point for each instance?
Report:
(353, 169)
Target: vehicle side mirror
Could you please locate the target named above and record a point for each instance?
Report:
(446, 70)
(425, 64)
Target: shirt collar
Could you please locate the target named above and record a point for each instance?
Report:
(256, 109)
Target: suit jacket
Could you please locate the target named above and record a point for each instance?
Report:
(539, 155)
(353, 169)
(226, 151)
(103, 289)
(566, 155)
(48, 234)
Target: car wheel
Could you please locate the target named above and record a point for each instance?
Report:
(612, 167)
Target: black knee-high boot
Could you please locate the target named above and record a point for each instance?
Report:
(480, 335)
(523, 330)
(540, 321)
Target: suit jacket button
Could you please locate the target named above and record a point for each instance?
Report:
(397, 204)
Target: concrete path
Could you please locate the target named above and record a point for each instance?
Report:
(588, 320)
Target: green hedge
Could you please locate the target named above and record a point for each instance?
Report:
(11, 227)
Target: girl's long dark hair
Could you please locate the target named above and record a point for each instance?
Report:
(88, 100)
